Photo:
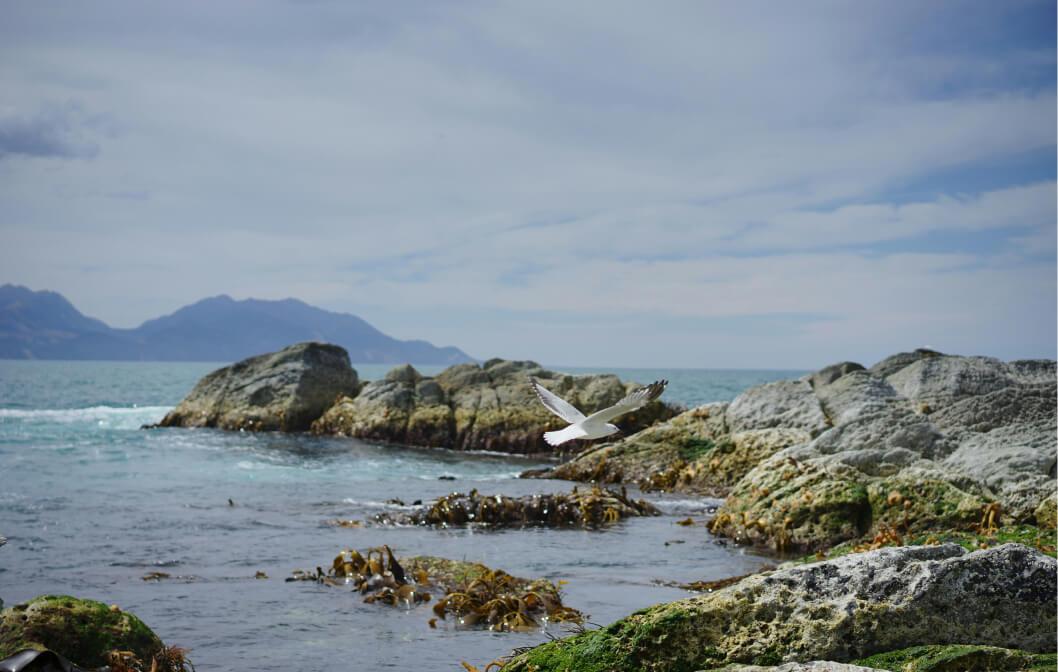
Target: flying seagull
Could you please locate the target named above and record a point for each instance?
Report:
(596, 425)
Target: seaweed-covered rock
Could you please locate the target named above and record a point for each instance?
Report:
(472, 407)
(840, 610)
(285, 390)
(591, 507)
(83, 631)
(474, 594)
(814, 666)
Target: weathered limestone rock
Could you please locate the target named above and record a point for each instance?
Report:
(840, 610)
(83, 631)
(285, 390)
(472, 407)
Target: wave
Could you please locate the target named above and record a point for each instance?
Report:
(102, 415)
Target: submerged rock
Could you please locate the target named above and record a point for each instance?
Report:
(840, 610)
(593, 507)
(84, 631)
(285, 390)
(476, 407)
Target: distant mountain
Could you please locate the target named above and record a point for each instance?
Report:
(44, 325)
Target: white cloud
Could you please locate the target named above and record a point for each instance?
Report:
(407, 160)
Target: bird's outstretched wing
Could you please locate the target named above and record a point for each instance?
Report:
(555, 404)
(636, 399)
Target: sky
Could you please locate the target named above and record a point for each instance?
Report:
(627, 184)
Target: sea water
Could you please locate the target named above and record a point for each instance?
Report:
(90, 503)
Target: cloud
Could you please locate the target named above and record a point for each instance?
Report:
(52, 131)
(772, 177)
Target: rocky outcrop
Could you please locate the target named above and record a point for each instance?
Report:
(476, 407)
(942, 442)
(84, 631)
(285, 390)
(919, 442)
(841, 610)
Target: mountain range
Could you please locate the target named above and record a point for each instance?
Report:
(44, 325)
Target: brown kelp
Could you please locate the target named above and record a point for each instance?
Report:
(474, 595)
(590, 508)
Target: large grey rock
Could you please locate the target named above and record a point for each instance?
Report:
(828, 374)
(840, 610)
(785, 403)
(476, 407)
(285, 390)
(960, 433)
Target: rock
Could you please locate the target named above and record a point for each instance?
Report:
(1046, 514)
(84, 631)
(785, 403)
(472, 407)
(591, 507)
(285, 390)
(894, 363)
(840, 610)
(692, 453)
(952, 436)
(956, 657)
(828, 374)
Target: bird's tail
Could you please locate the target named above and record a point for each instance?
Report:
(561, 436)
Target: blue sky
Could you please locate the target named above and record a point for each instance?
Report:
(684, 184)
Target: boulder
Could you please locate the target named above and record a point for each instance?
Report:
(476, 407)
(83, 631)
(285, 390)
(955, 442)
(840, 610)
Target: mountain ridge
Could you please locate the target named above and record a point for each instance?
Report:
(45, 325)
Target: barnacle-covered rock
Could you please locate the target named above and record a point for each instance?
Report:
(840, 610)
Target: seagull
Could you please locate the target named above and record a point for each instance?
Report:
(596, 425)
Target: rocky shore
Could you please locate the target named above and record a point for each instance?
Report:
(311, 386)
(914, 501)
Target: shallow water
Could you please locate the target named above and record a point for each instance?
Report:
(90, 503)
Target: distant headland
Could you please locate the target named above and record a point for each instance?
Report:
(44, 325)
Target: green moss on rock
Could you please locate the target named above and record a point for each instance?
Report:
(83, 631)
(959, 658)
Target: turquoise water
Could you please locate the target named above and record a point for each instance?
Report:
(90, 503)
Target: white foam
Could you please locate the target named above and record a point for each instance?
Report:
(104, 416)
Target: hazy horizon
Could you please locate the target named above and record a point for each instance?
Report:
(750, 186)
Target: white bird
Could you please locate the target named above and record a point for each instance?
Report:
(596, 425)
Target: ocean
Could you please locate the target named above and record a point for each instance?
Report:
(90, 503)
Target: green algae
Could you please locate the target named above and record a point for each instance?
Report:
(694, 447)
(959, 658)
(84, 631)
